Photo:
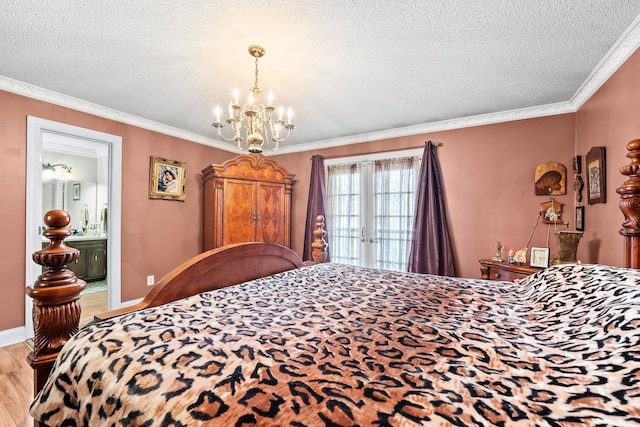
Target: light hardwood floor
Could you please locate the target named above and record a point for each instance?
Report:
(16, 376)
(16, 386)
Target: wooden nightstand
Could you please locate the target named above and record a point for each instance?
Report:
(502, 270)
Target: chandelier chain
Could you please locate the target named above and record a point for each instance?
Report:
(256, 84)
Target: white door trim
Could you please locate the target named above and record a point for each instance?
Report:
(35, 129)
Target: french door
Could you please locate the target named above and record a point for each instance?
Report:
(370, 209)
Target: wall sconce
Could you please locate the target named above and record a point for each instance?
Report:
(56, 171)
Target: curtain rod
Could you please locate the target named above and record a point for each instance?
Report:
(438, 144)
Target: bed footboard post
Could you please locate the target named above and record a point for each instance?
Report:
(319, 245)
(630, 206)
(56, 295)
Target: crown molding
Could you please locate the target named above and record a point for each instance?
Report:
(617, 55)
(36, 92)
(66, 144)
(459, 123)
(626, 45)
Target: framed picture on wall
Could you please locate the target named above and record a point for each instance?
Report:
(580, 218)
(76, 191)
(167, 179)
(596, 186)
(577, 165)
(550, 179)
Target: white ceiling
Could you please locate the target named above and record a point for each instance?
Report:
(353, 70)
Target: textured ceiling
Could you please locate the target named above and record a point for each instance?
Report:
(352, 70)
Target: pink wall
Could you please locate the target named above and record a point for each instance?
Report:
(610, 119)
(488, 173)
(156, 234)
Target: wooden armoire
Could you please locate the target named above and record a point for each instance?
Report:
(247, 199)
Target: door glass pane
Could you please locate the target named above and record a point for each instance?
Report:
(394, 205)
(343, 206)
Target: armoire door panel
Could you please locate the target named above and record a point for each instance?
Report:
(239, 217)
(246, 199)
(271, 208)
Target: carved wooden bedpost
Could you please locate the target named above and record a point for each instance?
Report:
(319, 245)
(630, 206)
(56, 295)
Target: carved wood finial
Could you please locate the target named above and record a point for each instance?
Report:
(319, 245)
(630, 205)
(56, 295)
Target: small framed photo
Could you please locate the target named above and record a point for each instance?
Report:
(539, 257)
(76, 191)
(577, 165)
(167, 179)
(580, 218)
(595, 165)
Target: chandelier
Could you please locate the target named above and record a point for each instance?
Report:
(259, 121)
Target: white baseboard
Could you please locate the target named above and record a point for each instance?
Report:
(12, 336)
(16, 335)
(130, 303)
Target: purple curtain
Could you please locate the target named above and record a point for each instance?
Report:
(315, 205)
(431, 251)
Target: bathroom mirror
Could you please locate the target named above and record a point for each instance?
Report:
(80, 199)
(79, 187)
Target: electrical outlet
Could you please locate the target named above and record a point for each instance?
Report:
(151, 280)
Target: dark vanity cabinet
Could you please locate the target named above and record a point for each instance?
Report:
(91, 265)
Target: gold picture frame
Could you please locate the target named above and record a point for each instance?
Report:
(167, 179)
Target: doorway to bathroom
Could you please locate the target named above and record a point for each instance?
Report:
(78, 170)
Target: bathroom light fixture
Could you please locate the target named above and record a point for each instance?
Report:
(56, 171)
(258, 120)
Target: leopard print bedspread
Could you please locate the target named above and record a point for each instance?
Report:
(334, 345)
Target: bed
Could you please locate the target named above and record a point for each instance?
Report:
(272, 340)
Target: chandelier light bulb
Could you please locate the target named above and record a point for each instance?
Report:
(253, 119)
